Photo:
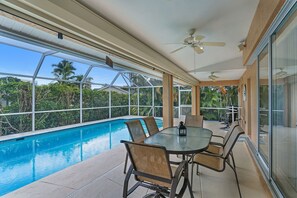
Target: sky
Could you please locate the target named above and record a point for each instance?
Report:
(21, 61)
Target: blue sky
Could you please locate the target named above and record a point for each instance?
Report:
(20, 61)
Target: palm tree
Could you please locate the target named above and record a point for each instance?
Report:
(87, 82)
(64, 70)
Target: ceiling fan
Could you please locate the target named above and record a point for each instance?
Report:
(196, 43)
(213, 77)
(281, 73)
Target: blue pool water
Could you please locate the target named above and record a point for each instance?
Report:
(34, 157)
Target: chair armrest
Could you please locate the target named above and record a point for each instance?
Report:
(219, 136)
(211, 154)
(174, 163)
(179, 169)
(216, 144)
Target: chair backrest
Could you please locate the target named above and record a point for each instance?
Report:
(152, 162)
(237, 131)
(136, 131)
(194, 120)
(151, 125)
(231, 129)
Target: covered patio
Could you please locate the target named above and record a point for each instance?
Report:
(74, 72)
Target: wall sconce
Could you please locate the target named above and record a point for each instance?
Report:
(242, 44)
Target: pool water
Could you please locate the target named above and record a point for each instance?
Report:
(25, 160)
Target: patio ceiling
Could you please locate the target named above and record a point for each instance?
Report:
(158, 22)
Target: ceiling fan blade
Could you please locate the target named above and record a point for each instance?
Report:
(173, 43)
(192, 31)
(219, 44)
(199, 37)
(199, 50)
(212, 78)
(281, 73)
(177, 49)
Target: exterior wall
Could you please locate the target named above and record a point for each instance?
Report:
(249, 106)
(195, 100)
(167, 100)
(265, 13)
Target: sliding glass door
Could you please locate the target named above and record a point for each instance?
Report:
(284, 106)
(263, 114)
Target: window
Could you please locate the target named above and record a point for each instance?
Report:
(284, 106)
(263, 113)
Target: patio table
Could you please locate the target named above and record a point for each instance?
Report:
(196, 141)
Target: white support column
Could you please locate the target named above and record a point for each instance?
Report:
(153, 101)
(179, 112)
(109, 103)
(138, 101)
(33, 104)
(80, 103)
(129, 102)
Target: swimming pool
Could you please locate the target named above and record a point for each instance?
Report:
(25, 160)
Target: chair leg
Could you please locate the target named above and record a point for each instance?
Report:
(233, 161)
(190, 189)
(197, 170)
(126, 182)
(237, 183)
(172, 193)
(192, 172)
(126, 161)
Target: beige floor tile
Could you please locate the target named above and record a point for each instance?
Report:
(100, 188)
(87, 171)
(40, 189)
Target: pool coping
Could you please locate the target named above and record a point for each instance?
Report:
(50, 130)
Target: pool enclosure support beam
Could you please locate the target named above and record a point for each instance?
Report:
(167, 100)
(138, 101)
(129, 102)
(179, 114)
(134, 85)
(115, 78)
(125, 80)
(109, 103)
(196, 100)
(110, 85)
(80, 102)
(81, 95)
(33, 84)
(153, 101)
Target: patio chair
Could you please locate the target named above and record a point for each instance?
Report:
(194, 121)
(137, 135)
(151, 125)
(217, 162)
(151, 168)
(218, 142)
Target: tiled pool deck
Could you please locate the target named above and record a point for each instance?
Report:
(102, 177)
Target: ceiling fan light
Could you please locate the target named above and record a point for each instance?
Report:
(188, 40)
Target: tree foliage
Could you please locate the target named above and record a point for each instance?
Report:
(16, 96)
(217, 97)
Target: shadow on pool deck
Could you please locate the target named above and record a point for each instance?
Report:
(102, 176)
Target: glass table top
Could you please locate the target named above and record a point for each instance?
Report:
(197, 140)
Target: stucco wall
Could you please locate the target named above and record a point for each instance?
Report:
(249, 106)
